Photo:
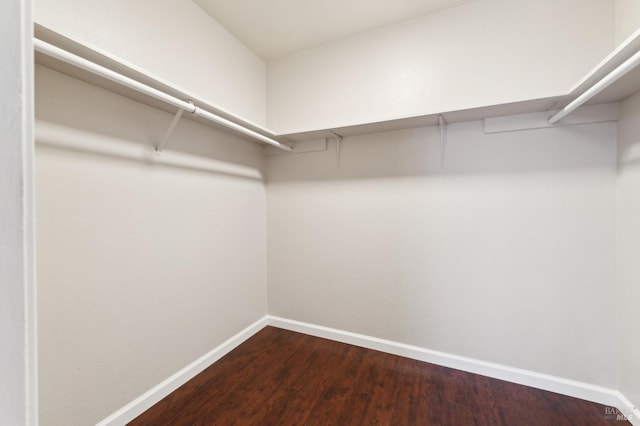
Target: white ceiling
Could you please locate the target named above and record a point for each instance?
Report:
(274, 28)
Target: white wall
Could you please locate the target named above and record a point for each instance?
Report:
(481, 53)
(627, 19)
(143, 267)
(506, 254)
(18, 405)
(172, 39)
(629, 249)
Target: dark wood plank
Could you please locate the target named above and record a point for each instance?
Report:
(336, 390)
(362, 390)
(411, 404)
(289, 378)
(278, 377)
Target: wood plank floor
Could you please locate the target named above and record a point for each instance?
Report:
(278, 377)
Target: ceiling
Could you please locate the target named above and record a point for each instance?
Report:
(274, 28)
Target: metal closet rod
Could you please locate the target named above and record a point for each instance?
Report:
(606, 81)
(64, 56)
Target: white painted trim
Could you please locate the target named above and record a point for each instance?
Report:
(627, 408)
(155, 394)
(533, 379)
(18, 363)
(28, 220)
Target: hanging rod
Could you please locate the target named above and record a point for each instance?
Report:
(64, 56)
(608, 80)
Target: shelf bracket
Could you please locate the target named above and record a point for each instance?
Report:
(442, 125)
(169, 131)
(338, 139)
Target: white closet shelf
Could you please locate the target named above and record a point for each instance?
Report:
(617, 91)
(235, 123)
(622, 88)
(454, 116)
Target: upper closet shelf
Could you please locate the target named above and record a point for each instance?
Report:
(613, 80)
(471, 114)
(65, 55)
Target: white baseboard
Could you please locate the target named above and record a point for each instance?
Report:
(155, 394)
(599, 394)
(602, 395)
(627, 408)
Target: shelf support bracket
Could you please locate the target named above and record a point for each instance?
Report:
(169, 132)
(338, 139)
(442, 125)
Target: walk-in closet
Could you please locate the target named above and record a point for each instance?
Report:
(426, 184)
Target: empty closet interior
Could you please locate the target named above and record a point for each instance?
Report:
(459, 183)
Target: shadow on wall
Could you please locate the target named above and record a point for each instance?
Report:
(629, 153)
(468, 151)
(74, 115)
(82, 142)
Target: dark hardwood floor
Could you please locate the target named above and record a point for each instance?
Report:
(278, 377)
